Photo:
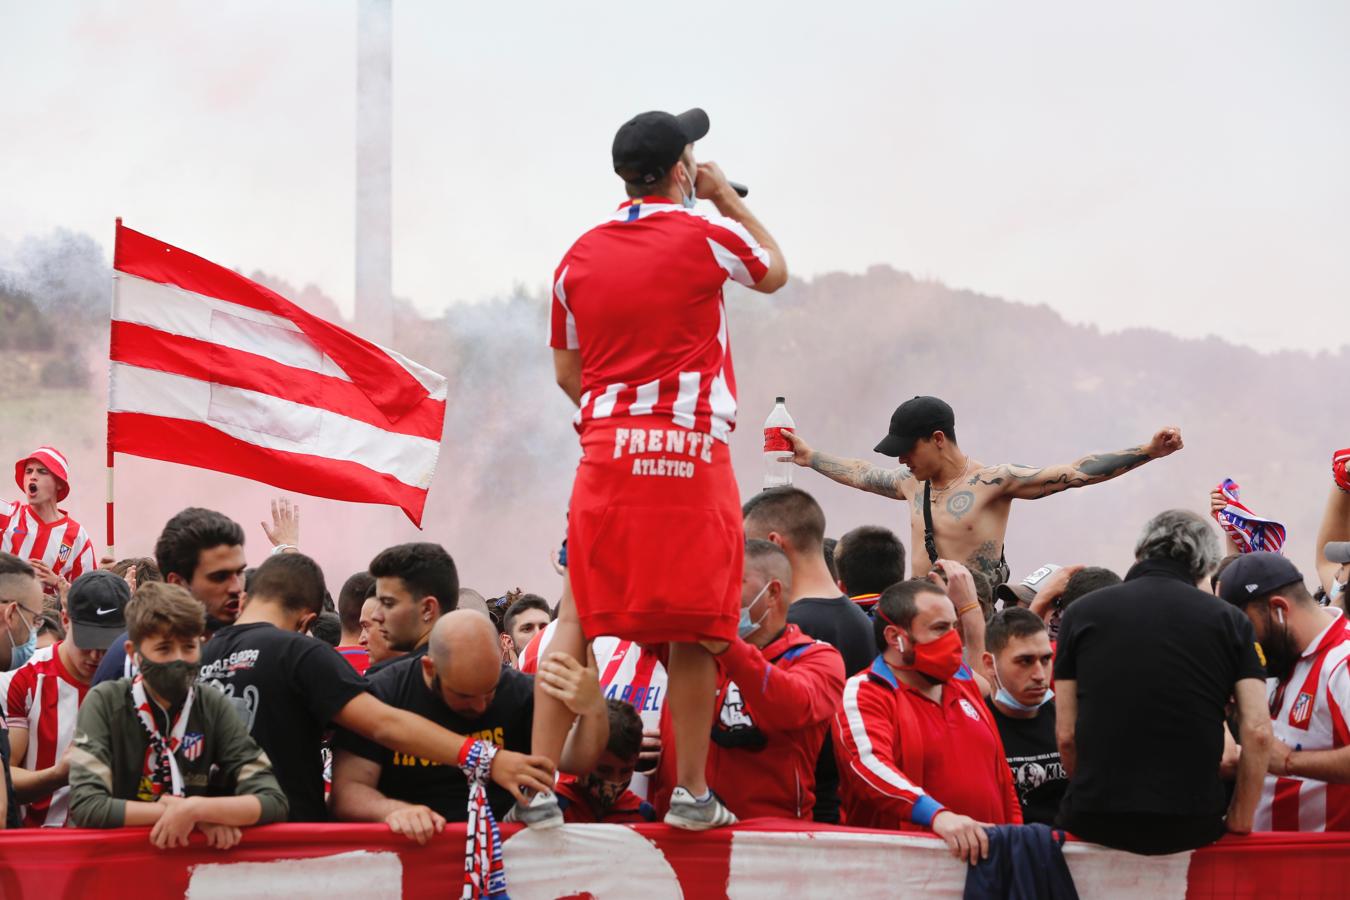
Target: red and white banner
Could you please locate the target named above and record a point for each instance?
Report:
(766, 858)
(209, 369)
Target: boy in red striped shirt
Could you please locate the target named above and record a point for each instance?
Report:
(34, 528)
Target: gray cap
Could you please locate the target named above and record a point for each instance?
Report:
(1338, 552)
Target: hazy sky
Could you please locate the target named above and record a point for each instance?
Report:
(1178, 165)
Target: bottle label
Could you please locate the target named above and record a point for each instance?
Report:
(774, 441)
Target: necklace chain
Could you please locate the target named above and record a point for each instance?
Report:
(946, 487)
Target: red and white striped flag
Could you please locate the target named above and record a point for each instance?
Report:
(209, 369)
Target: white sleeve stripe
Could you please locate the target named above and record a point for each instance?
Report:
(731, 263)
(561, 293)
(858, 731)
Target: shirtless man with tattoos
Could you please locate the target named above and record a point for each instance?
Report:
(969, 500)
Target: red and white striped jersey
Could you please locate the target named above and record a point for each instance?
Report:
(64, 544)
(1308, 712)
(627, 673)
(641, 297)
(43, 698)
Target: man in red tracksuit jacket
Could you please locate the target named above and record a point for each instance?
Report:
(776, 693)
(916, 744)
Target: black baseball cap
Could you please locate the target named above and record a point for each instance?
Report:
(647, 145)
(97, 605)
(914, 420)
(1254, 574)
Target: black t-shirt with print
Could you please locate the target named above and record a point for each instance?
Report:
(507, 722)
(1033, 756)
(288, 687)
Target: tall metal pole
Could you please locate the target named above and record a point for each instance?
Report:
(374, 174)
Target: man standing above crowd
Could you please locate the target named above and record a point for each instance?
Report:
(461, 685)
(203, 551)
(917, 746)
(639, 338)
(959, 506)
(290, 687)
(43, 697)
(869, 559)
(1143, 675)
(777, 691)
(791, 519)
(415, 584)
(1307, 651)
(34, 529)
(1017, 662)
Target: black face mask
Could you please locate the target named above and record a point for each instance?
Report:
(172, 680)
(1282, 654)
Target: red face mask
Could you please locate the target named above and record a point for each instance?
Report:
(938, 659)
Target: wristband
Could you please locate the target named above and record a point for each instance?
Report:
(282, 548)
(965, 609)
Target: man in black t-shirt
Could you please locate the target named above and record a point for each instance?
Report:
(792, 519)
(1143, 672)
(1017, 661)
(459, 684)
(289, 687)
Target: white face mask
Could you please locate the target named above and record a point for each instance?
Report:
(747, 626)
(692, 197)
(21, 653)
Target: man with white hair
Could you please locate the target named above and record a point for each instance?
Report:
(1154, 661)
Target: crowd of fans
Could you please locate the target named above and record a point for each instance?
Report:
(1149, 710)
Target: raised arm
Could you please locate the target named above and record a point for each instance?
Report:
(1030, 483)
(1335, 527)
(856, 473)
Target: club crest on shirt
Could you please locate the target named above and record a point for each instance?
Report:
(1301, 714)
(733, 714)
(193, 743)
(64, 553)
(968, 709)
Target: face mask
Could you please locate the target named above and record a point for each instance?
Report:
(692, 198)
(939, 659)
(170, 681)
(606, 793)
(747, 627)
(21, 653)
(1005, 697)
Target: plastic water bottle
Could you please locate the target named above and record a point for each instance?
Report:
(777, 473)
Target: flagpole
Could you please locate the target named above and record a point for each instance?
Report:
(112, 538)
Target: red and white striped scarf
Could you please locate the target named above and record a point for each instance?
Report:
(160, 766)
(484, 874)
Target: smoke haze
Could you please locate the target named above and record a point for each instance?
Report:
(844, 349)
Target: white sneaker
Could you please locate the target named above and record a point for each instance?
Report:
(541, 813)
(695, 815)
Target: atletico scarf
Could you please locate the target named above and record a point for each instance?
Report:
(484, 875)
(1249, 532)
(160, 763)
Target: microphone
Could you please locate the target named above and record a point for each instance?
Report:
(740, 189)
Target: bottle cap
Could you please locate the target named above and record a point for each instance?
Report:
(779, 400)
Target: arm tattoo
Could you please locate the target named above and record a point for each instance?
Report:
(1109, 465)
(861, 475)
